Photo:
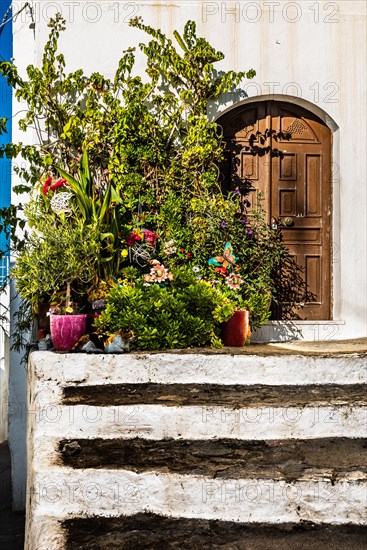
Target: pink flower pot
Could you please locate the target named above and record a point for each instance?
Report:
(236, 329)
(66, 330)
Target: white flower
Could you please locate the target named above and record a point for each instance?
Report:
(196, 269)
(169, 248)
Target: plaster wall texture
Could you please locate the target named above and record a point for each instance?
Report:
(56, 492)
(308, 53)
(4, 368)
(311, 53)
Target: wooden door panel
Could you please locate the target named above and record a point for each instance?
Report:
(294, 179)
(313, 197)
(301, 192)
(287, 200)
(288, 167)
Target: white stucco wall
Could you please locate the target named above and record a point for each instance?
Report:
(312, 51)
(4, 368)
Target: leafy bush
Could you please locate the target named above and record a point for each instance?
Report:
(187, 313)
(58, 256)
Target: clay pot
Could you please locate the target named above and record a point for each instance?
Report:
(66, 330)
(236, 329)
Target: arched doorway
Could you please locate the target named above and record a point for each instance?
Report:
(284, 151)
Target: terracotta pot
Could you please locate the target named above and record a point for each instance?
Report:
(66, 330)
(236, 329)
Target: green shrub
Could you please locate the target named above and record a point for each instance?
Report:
(188, 313)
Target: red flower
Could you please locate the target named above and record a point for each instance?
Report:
(132, 239)
(150, 237)
(59, 183)
(182, 249)
(188, 255)
(222, 271)
(46, 186)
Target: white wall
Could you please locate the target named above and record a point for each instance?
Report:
(4, 367)
(314, 50)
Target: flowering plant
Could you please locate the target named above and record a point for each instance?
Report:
(125, 148)
(62, 310)
(51, 184)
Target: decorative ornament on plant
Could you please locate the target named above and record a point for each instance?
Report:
(60, 203)
(227, 260)
(158, 273)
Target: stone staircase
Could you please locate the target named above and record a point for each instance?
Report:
(238, 449)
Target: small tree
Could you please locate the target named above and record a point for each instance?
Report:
(135, 155)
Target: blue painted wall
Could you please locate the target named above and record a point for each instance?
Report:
(6, 52)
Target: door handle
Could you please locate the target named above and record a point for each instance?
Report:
(288, 222)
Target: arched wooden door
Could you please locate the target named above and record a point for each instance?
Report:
(289, 161)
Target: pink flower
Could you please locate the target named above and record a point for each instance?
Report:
(234, 281)
(159, 273)
(132, 239)
(150, 237)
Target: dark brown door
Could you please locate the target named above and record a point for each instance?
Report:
(289, 161)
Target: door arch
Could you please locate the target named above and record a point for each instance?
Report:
(284, 151)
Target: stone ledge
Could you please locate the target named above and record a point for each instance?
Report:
(222, 458)
(156, 533)
(222, 395)
(197, 368)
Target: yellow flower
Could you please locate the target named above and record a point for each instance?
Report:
(124, 253)
(69, 310)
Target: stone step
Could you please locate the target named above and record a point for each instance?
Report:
(314, 496)
(234, 366)
(252, 422)
(197, 450)
(154, 532)
(222, 458)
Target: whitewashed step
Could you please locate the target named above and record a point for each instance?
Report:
(222, 443)
(212, 367)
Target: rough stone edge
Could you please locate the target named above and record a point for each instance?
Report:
(159, 422)
(82, 369)
(64, 491)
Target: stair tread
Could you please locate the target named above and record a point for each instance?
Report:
(226, 458)
(154, 532)
(233, 395)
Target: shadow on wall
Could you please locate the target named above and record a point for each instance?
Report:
(17, 418)
(277, 331)
(225, 100)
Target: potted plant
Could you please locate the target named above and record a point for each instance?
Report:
(128, 180)
(166, 310)
(67, 325)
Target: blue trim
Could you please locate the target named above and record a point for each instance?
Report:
(6, 53)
